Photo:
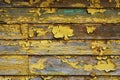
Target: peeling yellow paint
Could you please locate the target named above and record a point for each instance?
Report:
(47, 77)
(13, 57)
(38, 65)
(72, 64)
(23, 30)
(78, 4)
(24, 44)
(39, 31)
(88, 67)
(33, 1)
(37, 12)
(105, 65)
(102, 57)
(48, 11)
(95, 3)
(115, 57)
(20, 18)
(62, 32)
(99, 47)
(90, 29)
(46, 3)
(93, 11)
(64, 57)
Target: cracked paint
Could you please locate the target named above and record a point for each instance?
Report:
(90, 29)
(93, 11)
(106, 65)
(39, 65)
(62, 32)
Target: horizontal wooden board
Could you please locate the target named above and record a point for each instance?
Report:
(74, 47)
(60, 47)
(61, 3)
(14, 31)
(75, 78)
(13, 65)
(13, 47)
(74, 31)
(14, 77)
(74, 65)
(47, 31)
(54, 15)
(58, 78)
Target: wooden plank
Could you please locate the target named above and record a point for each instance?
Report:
(74, 47)
(75, 78)
(14, 78)
(74, 65)
(59, 78)
(61, 3)
(13, 31)
(74, 31)
(54, 15)
(13, 65)
(13, 47)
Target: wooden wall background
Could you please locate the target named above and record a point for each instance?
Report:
(59, 40)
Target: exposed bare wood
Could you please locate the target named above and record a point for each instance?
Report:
(75, 47)
(74, 31)
(74, 65)
(61, 3)
(54, 15)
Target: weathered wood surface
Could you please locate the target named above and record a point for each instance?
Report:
(13, 47)
(13, 65)
(15, 78)
(54, 15)
(74, 65)
(54, 47)
(61, 3)
(52, 31)
(14, 31)
(74, 47)
(75, 78)
(58, 78)
(74, 31)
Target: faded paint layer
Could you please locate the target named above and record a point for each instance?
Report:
(76, 65)
(45, 15)
(13, 65)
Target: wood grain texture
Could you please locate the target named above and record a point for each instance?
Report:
(75, 47)
(54, 15)
(61, 3)
(80, 31)
(59, 77)
(14, 78)
(74, 65)
(74, 78)
(13, 31)
(13, 47)
(13, 65)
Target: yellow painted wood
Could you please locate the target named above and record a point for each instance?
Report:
(54, 15)
(62, 3)
(74, 47)
(13, 65)
(74, 65)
